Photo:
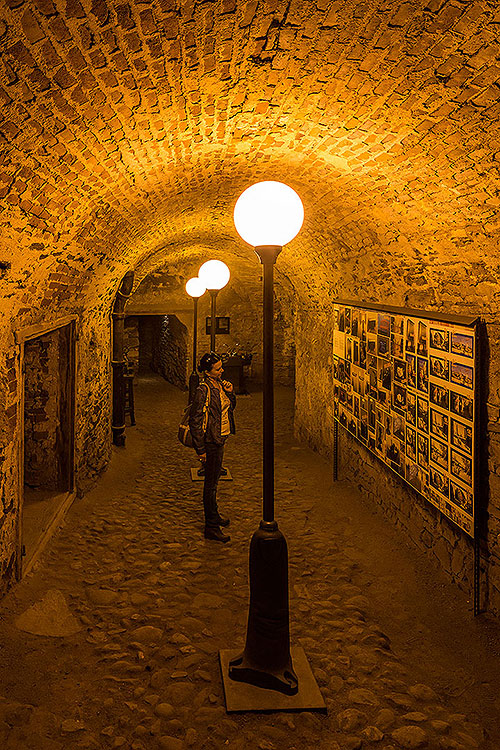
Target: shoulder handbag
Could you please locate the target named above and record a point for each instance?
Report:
(184, 433)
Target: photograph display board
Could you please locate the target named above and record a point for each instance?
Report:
(404, 386)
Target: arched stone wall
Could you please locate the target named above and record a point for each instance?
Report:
(129, 129)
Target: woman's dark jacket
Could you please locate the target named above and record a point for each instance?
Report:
(212, 434)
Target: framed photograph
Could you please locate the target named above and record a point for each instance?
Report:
(462, 406)
(348, 349)
(411, 371)
(343, 371)
(439, 453)
(462, 344)
(411, 408)
(461, 497)
(422, 374)
(399, 371)
(341, 319)
(352, 425)
(439, 424)
(384, 398)
(380, 438)
(348, 320)
(422, 451)
(384, 373)
(461, 436)
(362, 354)
(371, 344)
(371, 415)
(439, 481)
(383, 346)
(393, 451)
(397, 325)
(384, 324)
(355, 406)
(413, 476)
(439, 368)
(222, 325)
(355, 323)
(422, 338)
(355, 352)
(439, 339)
(411, 443)
(410, 336)
(462, 375)
(362, 326)
(398, 427)
(397, 346)
(461, 467)
(439, 396)
(399, 398)
(422, 414)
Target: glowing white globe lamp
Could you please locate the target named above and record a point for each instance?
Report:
(214, 274)
(195, 287)
(268, 213)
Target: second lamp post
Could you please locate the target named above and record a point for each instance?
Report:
(214, 274)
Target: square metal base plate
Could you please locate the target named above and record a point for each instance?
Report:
(194, 476)
(240, 696)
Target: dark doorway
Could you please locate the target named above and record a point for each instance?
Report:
(158, 343)
(48, 437)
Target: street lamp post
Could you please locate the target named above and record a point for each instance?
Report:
(267, 216)
(215, 275)
(195, 288)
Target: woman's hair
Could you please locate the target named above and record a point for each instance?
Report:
(208, 361)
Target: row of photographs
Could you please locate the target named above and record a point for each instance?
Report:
(405, 388)
(383, 382)
(419, 446)
(404, 334)
(413, 461)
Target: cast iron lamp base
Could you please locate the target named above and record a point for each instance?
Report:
(263, 677)
(266, 660)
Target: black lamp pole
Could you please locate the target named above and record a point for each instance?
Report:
(266, 660)
(194, 378)
(213, 305)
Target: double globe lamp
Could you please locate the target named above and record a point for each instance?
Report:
(212, 276)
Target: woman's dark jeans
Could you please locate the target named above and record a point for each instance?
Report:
(213, 465)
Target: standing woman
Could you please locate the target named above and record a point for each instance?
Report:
(210, 422)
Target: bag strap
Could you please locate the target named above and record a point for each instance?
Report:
(206, 407)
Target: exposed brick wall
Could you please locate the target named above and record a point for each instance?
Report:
(162, 347)
(162, 291)
(129, 129)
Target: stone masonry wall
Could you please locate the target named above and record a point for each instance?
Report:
(418, 520)
(242, 301)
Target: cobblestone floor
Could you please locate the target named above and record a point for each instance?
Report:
(147, 603)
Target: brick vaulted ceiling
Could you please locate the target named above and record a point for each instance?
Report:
(128, 129)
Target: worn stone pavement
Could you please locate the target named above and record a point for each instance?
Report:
(146, 603)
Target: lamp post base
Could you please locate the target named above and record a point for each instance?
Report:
(266, 660)
(245, 696)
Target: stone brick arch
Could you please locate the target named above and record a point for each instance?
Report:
(128, 130)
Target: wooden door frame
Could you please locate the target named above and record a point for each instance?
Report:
(22, 336)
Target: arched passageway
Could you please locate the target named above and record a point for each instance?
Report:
(129, 129)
